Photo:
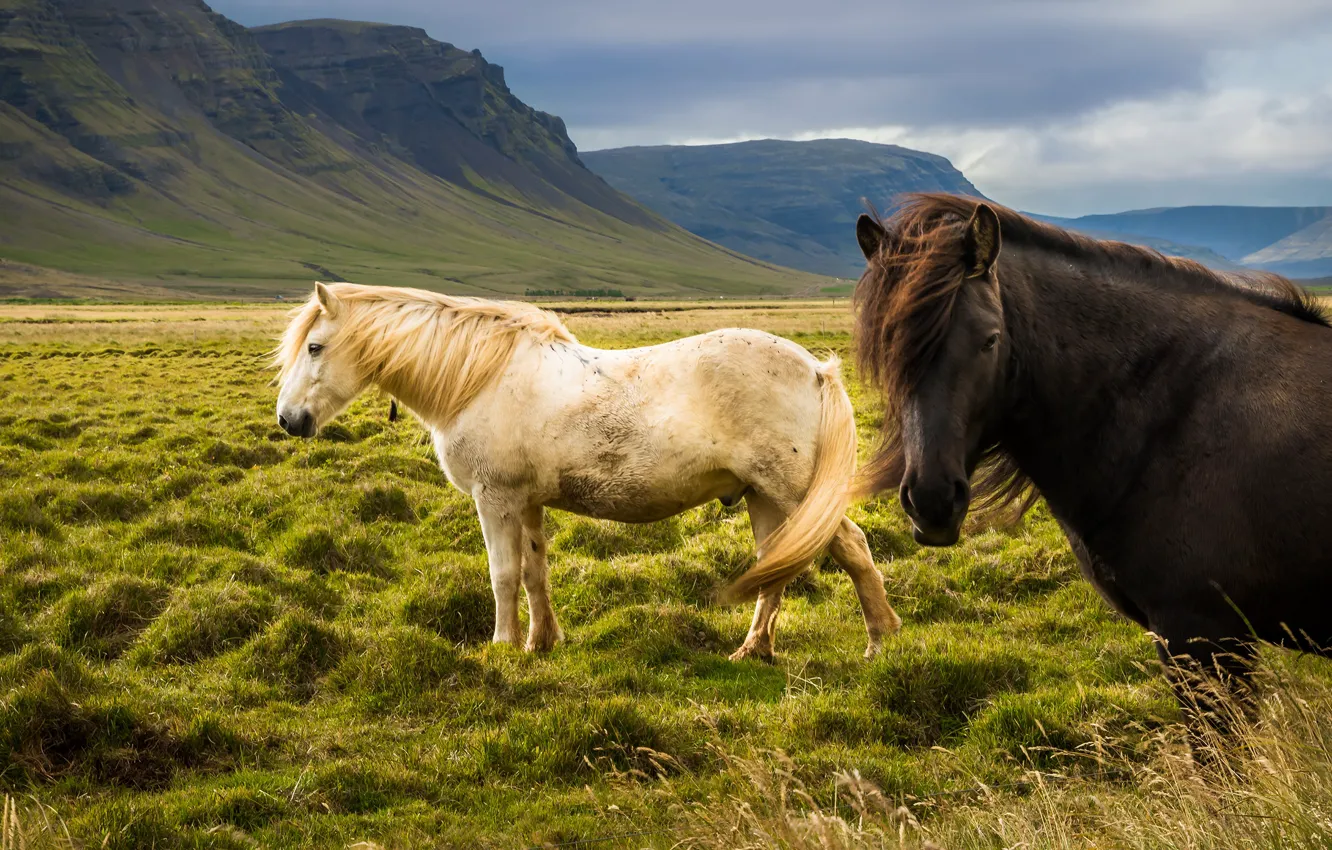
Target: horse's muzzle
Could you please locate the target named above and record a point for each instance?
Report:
(298, 426)
(936, 510)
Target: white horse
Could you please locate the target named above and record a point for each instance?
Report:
(524, 417)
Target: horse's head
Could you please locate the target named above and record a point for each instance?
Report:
(931, 329)
(318, 378)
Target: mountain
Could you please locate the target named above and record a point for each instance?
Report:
(1291, 240)
(1206, 256)
(160, 145)
(446, 110)
(790, 203)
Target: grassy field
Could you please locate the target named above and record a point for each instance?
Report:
(213, 635)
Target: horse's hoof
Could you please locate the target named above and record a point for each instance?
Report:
(873, 650)
(544, 642)
(753, 652)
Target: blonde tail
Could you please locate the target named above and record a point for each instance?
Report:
(788, 550)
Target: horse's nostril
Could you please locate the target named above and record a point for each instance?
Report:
(904, 494)
(282, 422)
(961, 493)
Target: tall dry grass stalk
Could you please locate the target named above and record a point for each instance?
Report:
(1265, 784)
(11, 831)
(32, 827)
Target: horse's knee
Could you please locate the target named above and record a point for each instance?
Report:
(852, 535)
(850, 548)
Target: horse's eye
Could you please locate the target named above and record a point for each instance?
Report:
(315, 348)
(991, 341)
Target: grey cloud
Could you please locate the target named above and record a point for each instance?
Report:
(584, 22)
(634, 71)
(619, 64)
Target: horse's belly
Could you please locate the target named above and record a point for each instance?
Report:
(604, 495)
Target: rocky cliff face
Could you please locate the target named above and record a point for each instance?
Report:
(446, 109)
(50, 80)
(385, 75)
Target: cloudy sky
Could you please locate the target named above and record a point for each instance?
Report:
(1057, 106)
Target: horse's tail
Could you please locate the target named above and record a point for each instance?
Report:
(811, 526)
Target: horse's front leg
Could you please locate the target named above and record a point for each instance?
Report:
(544, 631)
(502, 526)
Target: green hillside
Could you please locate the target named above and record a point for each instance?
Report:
(157, 143)
(1307, 251)
(791, 203)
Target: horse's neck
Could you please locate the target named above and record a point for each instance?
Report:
(531, 367)
(414, 387)
(1098, 366)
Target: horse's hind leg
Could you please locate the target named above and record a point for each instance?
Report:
(764, 517)
(850, 550)
(544, 631)
(763, 628)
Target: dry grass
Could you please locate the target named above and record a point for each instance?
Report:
(1266, 785)
(615, 324)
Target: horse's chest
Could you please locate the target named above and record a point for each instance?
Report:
(461, 460)
(1105, 578)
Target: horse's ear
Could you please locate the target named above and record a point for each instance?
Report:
(982, 241)
(328, 302)
(870, 234)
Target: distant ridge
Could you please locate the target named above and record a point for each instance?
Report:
(1296, 241)
(794, 203)
(791, 203)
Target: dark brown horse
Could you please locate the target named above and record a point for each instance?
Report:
(1178, 422)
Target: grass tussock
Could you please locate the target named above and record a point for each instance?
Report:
(50, 731)
(294, 652)
(458, 605)
(384, 503)
(324, 551)
(402, 670)
(924, 696)
(204, 621)
(104, 619)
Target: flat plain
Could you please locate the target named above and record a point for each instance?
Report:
(214, 635)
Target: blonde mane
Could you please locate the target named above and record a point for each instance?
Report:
(435, 352)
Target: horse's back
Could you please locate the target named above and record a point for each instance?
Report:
(740, 386)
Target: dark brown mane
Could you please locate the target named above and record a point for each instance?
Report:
(906, 297)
